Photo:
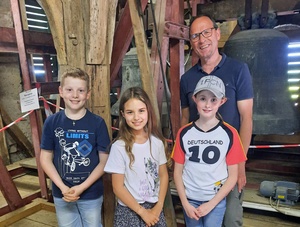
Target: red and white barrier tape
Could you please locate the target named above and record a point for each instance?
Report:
(16, 121)
(274, 146)
(168, 140)
(46, 101)
(251, 146)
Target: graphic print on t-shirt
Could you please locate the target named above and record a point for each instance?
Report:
(73, 154)
(149, 186)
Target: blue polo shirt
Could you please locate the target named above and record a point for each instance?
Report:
(238, 86)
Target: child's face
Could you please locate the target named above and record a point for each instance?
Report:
(207, 104)
(136, 115)
(74, 92)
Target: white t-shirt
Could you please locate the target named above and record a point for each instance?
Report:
(142, 179)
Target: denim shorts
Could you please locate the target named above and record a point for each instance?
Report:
(82, 213)
(213, 219)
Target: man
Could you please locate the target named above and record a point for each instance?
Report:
(237, 111)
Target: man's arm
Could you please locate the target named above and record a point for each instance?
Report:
(245, 108)
(185, 115)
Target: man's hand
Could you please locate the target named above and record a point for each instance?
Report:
(241, 176)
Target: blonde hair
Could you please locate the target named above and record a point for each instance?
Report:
(75, 73)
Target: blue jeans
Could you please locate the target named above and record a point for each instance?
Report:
(82, 213)
(213, 219)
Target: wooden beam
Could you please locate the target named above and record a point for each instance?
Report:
(33, 38)
(20, 43)
(111, 25)
(122, 39)
(9, 189)
(96, 31)
(36, 42)
(3, 146)
(99, 41)
(25, 211)
(176, 63)
(17, 134)
(193, 4)
(47, 67)
(26, 200)
(148, 85)
(47, 88)
(159, 58)
(54, 12)
(73, 31)
(176, 31)
(16, 172)
(27, 86)
(143, 55)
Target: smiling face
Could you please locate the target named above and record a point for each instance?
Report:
(205, 48)
(75, 93)
(136, 115)
(207, 104)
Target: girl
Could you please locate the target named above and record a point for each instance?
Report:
(206, 155)
(137, 161)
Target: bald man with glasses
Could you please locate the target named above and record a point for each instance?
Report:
(237, 111)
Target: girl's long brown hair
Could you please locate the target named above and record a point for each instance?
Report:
(125, 132)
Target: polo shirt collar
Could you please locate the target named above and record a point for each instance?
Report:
(199, 67)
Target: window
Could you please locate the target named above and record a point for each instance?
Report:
(294, 70)
(37, 21)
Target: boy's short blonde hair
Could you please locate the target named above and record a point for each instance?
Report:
(75, 73)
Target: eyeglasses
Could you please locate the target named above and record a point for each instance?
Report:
(206, 33)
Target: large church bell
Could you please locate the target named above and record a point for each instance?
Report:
(266, 53)
(130, 76)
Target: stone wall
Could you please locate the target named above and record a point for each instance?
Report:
(11, 86)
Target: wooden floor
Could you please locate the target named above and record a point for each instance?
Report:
(38, 219)
(257, 209)
(252, 218)
(258, 218)
(38, 213)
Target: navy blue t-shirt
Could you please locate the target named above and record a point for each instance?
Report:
(238, 86)
(76, 145)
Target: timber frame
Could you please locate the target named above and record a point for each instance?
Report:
(172, 34)
(27, 210)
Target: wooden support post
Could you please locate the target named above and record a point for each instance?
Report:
(143, 55)
(156, 50)
(148, 85)
(176, 63)
(16, 133)
(101, 29)
(74, 33)
(3, 146)
(96, 32)
(47, 67)
(36, 205)
(9, 189)
(54, 12)
(122, 39)
(27, 86)
(194, 4)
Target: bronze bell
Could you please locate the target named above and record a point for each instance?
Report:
(266, 53)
